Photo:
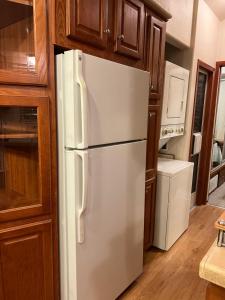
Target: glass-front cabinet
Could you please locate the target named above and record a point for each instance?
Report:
(24, 157)
(23, 52)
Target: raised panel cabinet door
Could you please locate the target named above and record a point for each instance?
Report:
(25, 169)
(26, 264)
(156, 31)
(129, 28)
(154, 116)
(86, 20)
(150, 194)
(23, 42)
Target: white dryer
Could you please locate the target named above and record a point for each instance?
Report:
(173, 196)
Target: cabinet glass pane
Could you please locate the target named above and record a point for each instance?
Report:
(17, 51)
(19, 160)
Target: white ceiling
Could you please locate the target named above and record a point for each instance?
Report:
(218, 6)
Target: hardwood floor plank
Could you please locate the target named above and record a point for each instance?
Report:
(173, 275)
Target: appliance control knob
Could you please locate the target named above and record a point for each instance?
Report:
(182, 130)
(164, 132)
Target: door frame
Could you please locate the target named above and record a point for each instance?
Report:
(207, 132)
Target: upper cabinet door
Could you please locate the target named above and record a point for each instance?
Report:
(24, 157)
(129, 28)
(86, 20)
(155, 56)
(23, 42)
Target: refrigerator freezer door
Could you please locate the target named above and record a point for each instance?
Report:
(104, 102)
(109, 256)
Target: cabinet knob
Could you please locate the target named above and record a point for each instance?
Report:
(120, 37)
(107, 30)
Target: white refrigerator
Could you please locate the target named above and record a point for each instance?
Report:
(102, 130)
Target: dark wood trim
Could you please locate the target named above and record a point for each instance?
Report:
(207, 133)
(217, 169)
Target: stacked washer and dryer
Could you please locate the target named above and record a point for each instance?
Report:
(174, 177)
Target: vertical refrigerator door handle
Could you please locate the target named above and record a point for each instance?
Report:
(83, 203)
(83, 100)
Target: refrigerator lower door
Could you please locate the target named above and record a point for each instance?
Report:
(105, 220)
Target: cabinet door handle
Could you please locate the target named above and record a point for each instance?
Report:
(107, 31)
(120, 37)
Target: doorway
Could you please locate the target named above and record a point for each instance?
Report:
(202, 131)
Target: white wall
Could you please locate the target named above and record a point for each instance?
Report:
(221, 42)
(179, 27)
(205, 49)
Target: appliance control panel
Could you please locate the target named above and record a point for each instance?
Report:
(169, 131)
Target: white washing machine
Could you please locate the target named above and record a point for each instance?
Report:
(173, 196)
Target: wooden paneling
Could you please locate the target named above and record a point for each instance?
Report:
(26, 263)
(154, 116)
(150, 190)
(18, 45)
(129, 28)
(155, 56)
(87, 21)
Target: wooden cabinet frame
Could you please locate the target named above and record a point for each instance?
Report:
(122, 46)
(39, 76)
(42, 105)
(76, 30)
(19, 266)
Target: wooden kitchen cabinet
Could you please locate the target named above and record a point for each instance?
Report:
(155, 49)
(150, 193)
(23, 42)
(24, 157)
(87, 21)
(129, 28)
(29, 264)
(26, 262)
(156, 32)
(154, 117)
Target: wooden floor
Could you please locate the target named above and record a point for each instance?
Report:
(173, 275)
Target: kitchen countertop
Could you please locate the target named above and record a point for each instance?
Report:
(157, 6)
(212, 266)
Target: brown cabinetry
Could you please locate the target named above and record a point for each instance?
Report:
(154, 116)
(129, 28)
(87, 21)
(155, 55)
(23, 42)
(28, 189)
(113, 30)
(150, 190)
(24, 157)
(26, 262)
(155, 48)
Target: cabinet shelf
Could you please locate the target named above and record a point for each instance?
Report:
(14, 10)
(11, 199)
(4, 136)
